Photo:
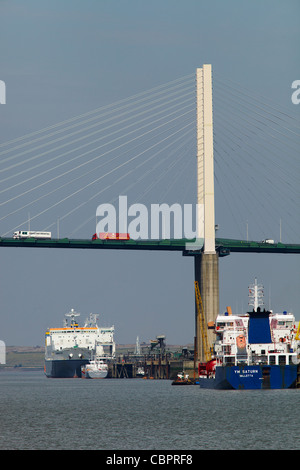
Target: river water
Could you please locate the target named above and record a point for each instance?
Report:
(134, 414)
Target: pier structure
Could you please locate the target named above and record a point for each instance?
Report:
(154, 362)
(154, 368)
(157, 368)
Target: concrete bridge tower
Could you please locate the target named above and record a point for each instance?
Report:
(207, 262)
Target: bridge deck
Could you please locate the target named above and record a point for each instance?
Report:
(223, 246)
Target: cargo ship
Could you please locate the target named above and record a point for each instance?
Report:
(257, 350)
(69, 348)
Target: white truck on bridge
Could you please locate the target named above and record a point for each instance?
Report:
(30, 234)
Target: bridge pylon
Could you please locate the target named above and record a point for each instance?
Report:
(206, 264)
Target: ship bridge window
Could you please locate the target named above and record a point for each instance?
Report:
(291, 360)
(272, 360)
(229, 361)
(282, 360)
(284, 323)
(225, 324)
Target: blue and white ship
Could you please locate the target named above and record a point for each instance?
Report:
(258, 350)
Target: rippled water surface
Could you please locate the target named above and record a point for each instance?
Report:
(135, 414)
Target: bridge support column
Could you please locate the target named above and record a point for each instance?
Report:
(207, 263)
(206, 267)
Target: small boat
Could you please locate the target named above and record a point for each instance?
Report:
(140, 372)
(96, 369)
(182, 379)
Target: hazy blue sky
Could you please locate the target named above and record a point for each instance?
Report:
(62, 58)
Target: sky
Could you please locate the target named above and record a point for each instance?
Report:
(61, 59)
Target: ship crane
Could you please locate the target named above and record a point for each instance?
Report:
(297, 337)
(201, 318)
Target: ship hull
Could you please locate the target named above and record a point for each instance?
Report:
(255, 377)
(93, 374)
(64, 369)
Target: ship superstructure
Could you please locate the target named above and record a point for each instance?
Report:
(257, 350)
(70, 347)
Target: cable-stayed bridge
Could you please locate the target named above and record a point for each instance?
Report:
(145, 147)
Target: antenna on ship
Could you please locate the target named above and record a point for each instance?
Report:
(91, 321)
(72, 314)
(256, 295)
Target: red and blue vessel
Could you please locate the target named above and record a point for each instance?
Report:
(258, 350)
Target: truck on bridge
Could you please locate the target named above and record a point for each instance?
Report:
(110, 236)
(31, 234)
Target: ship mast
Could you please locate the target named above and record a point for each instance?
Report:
(72, 315)
(256, 295)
